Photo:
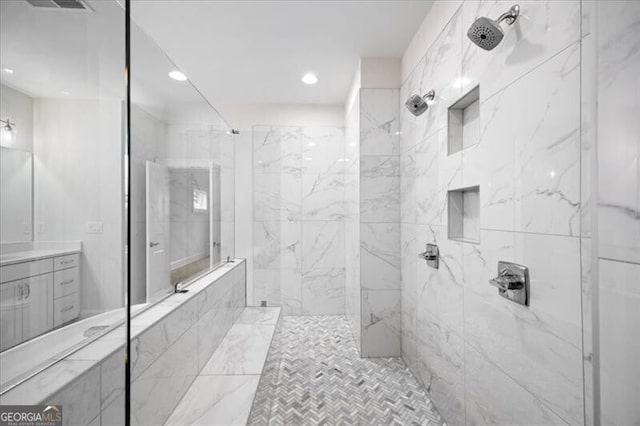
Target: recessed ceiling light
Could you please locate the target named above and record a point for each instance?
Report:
(309, 78)
(177, 75)
(7, 70)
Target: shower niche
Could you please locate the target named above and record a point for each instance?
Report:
(464, 214)
(464, 122)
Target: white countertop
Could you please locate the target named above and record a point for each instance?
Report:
(24, 252)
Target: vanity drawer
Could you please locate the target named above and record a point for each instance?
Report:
(65, 309)
(64, 262)
(65, 282)
(25, 269)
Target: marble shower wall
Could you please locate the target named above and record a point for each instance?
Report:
(379, 214)
(299, 219)
(352, 222)
(617, 87)
(484, 359)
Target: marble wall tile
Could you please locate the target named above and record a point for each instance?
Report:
(80, 400)
(495, 398)
(408, 187)
(212, 327)
(501, 330)
(380, 323)
(618, 84)
(380, 256)
(279, 287)
(323, 197)
(490, 165)
(322, 244)
(323, 150)
(211, 296)
(430, 203)
(379, 122)
(147, 347)
(323, 291)
(277, 149)
(547, 147)
(277, 197)
(379, 189)
(299, 176)
(440, 291)
(174, 372)
(588, 121)
(114, 413)
(112, 378)
(277, 245)
(619, 315)
(543, 29)
(408, 291)
(441, 368)
(587, 270)
(239, 290)
(555, 275)
(442, 73)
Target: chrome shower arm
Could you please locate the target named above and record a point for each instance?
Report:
(510, 16)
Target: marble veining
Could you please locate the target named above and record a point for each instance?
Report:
(300, 206)
(242, 351)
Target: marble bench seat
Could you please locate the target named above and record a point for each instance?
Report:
(223, 392)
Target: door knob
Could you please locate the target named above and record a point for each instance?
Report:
(152, 244)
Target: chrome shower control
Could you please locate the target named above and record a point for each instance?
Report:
(431, 255)
(512, 282)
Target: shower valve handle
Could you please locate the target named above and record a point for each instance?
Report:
(507, 281)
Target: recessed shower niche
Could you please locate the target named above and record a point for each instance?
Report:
(464, 214)
(464, 122)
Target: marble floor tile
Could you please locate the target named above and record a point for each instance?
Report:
(314, 376)
(216, 400)
(242, 351)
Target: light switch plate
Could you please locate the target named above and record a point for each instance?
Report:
(95, 227)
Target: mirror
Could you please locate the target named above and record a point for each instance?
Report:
(62, 237)
(16, 167)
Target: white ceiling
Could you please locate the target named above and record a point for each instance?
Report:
(255, 52)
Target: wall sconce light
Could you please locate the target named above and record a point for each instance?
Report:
(8, 133)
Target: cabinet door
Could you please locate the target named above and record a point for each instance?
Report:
(37, 306)
(10, 314)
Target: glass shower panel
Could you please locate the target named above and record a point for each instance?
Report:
(62, 264)
(181, 177)
(181, 194)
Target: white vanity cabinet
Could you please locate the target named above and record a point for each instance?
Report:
(10, 314)
(37, 305)
(37, 296)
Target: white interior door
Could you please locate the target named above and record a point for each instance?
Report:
(157, 215)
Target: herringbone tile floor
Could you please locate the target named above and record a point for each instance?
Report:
(315, 376)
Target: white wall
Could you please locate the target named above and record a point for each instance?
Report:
(78, 159)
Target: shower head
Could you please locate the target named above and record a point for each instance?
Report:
(417, 104)
(487, 33)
